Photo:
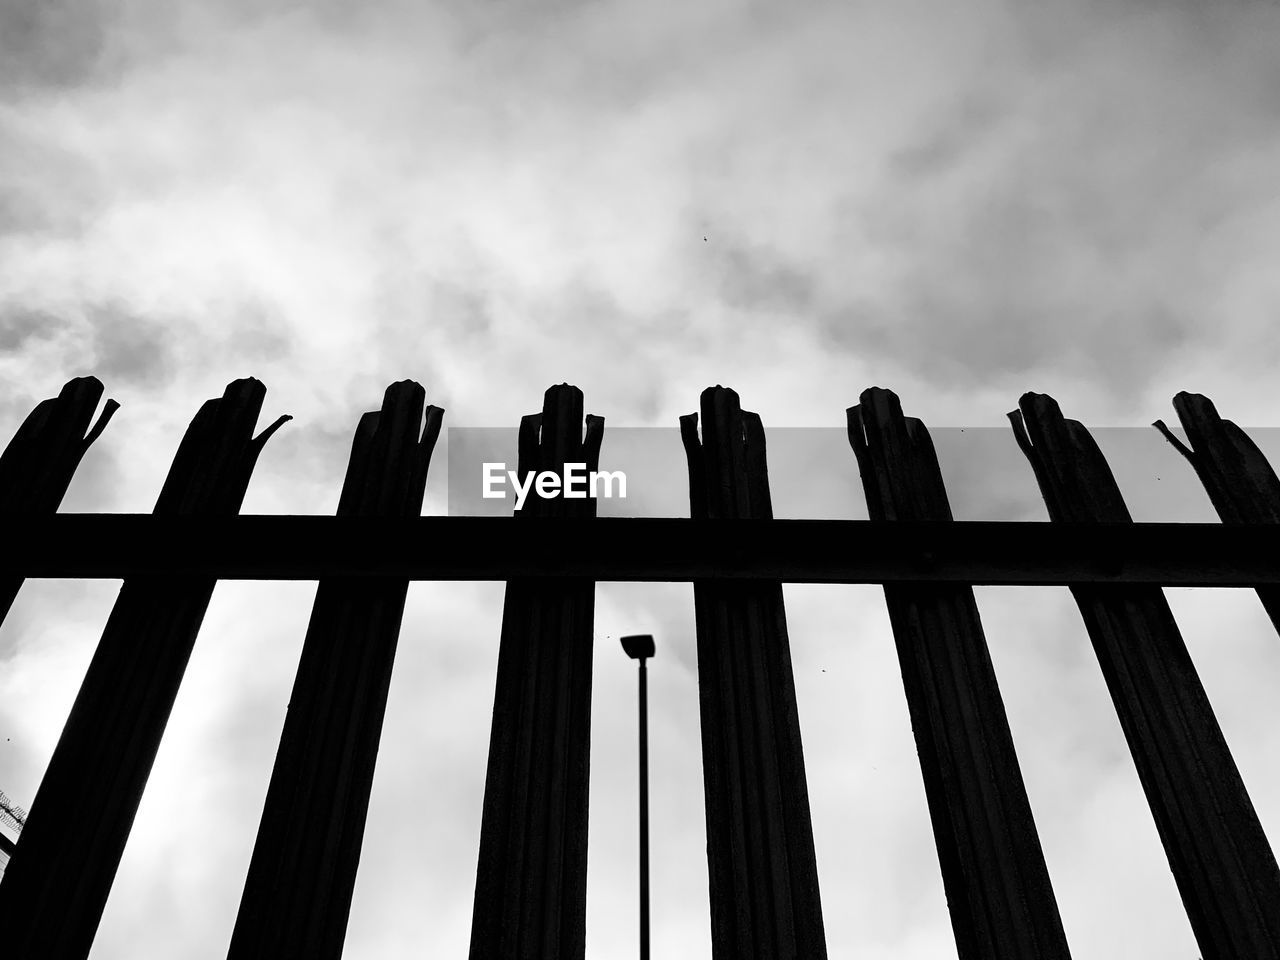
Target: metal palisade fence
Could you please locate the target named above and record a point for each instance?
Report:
(530, 885)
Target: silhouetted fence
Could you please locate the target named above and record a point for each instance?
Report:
(530, 892)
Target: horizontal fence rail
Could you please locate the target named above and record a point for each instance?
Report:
(984, 552)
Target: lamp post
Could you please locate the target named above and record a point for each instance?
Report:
(640, 647)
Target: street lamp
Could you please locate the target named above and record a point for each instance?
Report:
(640, 647)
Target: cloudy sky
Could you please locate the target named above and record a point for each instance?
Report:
(960, 202)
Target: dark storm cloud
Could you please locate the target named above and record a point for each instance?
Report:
(50, 42)
(753, 277)
(957, 130)
(129, 348)
(1005, 253)
(18, 325)
(1082, 220)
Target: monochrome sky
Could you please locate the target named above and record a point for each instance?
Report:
(960, 202)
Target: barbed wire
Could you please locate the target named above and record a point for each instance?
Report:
(11, 813)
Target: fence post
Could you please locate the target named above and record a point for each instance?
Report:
(531, 878)
(1220, 858)
(762, 868)
(997, 885)
(1236, 475)
(37, 466)
(297, 894)
(55, 887)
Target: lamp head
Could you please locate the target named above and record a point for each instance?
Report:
(638, 646)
